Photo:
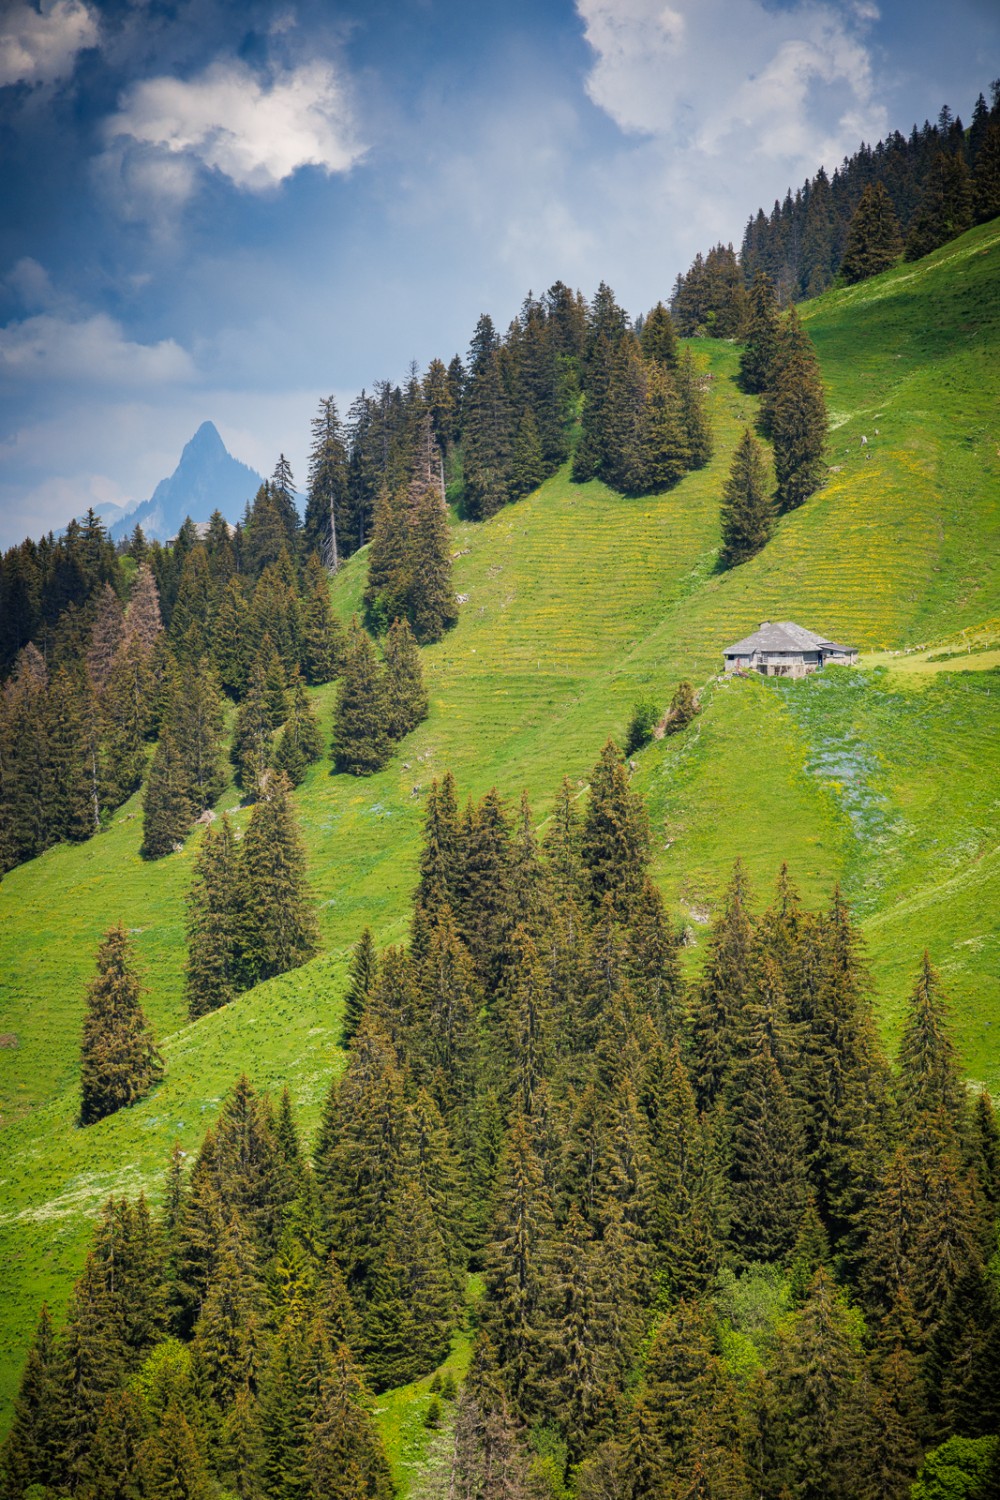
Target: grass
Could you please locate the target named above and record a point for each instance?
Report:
(580, 602)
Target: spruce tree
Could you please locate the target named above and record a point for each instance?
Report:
(659, 337)
(767, 1171)
(210, 975)
(251, 747)
(345, 1458)
(323, 638)
(986, 181)
(666, 454)
(724, 989)
(527, 466)
(615, 838)
(816, 1384)
(796, 415)
(930, 1081)
(361, 740)
(327, 505)
(387, 588)
(694, 418)
(274, 925)
(232, 639)
(874, 239)
(431, 605)
(30, 1451)
(760, 337)
(173, 1467)
(404, 681)
(440, 854)
(361, 981)
(120, 1062)
(747, 514)
(945, 207)
(300, 741)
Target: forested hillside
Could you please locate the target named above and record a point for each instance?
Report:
(570, 993)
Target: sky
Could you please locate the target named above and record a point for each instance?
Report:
(227, 209)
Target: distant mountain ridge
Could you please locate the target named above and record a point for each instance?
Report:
(207, 478)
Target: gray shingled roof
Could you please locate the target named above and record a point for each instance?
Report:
(782, 636)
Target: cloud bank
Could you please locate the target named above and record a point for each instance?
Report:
(42, 47)
(792, 85)
(255, 133)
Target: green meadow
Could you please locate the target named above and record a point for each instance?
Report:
(882, 777)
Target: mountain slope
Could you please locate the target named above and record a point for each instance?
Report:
(578, 602)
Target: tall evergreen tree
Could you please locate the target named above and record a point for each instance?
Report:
(945, 207)
(796, 415)
(747, 514)
(760, 338)
(120, 1062)
(323, 639)
(210, 975)
(615, 839)
(404, 681)
(361, 739)
(275, 926)
(361, 982)
(431, 606)
(300, 741)
(874, 239)
(328, 500)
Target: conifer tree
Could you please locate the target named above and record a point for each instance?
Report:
(251, 747)
(816, 1385)
(986, 181)
(173, 1467)
(796, 415)
(408, 1313)
(114, 1463)
(440, 853)
(120, 1062)
(125, 719)
(142, 613)
(210, 975)
(693, 416)
(327, 504)
(724, 988)
(874, 239)
(516, 1257)
(527, 466)
(431, 607)
(666, 454)
(387, 588)
(747, 515)
(945, 207)
(30, 1451)
(929, 1078)
(323, 638)
(760, 338)
(232, 638)
(196, 724)
(767, 1172)
(615, 838)
(345, 1459)
(361, 740)
(683, 709)
(659, 337)
(274, 924)
(106, 636)
(404, 681)
(300, 741)
(361, 981)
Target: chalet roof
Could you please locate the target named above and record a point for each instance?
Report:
(782, 636)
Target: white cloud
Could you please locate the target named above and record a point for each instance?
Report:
(256, 133)
(91, 349)
(42, 46)
(790, 84)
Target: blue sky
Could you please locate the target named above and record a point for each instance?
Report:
(227, 208)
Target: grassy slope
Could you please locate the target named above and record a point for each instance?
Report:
(578, 601)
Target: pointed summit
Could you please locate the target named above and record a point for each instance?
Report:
(207, 478)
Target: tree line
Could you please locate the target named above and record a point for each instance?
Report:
(905, 195)
(727, 1249)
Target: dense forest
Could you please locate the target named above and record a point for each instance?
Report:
(724, 1249)
(906, 195)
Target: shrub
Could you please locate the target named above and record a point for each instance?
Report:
(645, 716)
